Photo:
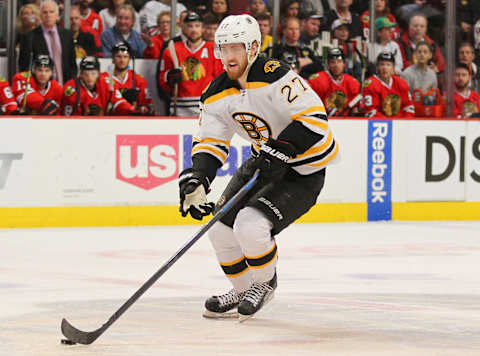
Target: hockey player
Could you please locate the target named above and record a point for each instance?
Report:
(272, 107)
(466, 101)
(197, 68)
(132, 86)
(8, 104)
(334, 87)
(385, 94)
(88, 94)
(44, 94)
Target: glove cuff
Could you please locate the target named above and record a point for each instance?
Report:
(281, 150)
(191, 175)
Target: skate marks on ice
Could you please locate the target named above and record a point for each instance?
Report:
(332, 324)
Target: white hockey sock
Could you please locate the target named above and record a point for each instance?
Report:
(230, 256)
(253, 232)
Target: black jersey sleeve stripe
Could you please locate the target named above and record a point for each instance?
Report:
(299, 136)
(315, 158)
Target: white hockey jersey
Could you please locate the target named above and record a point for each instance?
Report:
(274, 98)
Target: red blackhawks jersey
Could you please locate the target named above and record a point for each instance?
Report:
(335, 94)
(93, 20)
(106, 100)
(199, 68)
(382, 99)
(365, 20)
(144, 98)
(466, 104)
(7, 99)
(35, 95)
(155, 49)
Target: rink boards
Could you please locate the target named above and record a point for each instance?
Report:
(96, 172)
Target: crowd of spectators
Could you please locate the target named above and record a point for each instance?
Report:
(411, 31)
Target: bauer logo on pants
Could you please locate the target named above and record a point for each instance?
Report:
(379, 178)
(147, 161)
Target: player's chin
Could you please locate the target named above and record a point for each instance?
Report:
(233, 74)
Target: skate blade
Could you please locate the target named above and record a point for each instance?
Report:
(242, 318)
(227, 315)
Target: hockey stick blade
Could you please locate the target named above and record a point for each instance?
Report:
(78, 336)
(87, 338)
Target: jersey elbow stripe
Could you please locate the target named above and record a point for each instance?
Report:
(217, 153)
(317, 160)
(234, 268)
(316, 149)
(263, 260)
(327, 159)
(314, 125)
(211, 140)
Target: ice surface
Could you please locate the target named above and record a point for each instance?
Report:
(344, 289)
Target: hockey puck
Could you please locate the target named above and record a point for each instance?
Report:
(67, 342)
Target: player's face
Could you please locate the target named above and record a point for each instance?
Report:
(466, 55)
(311, 27)
(43, 75)
(265, 27)
(336, 66)
(462, 78)
(423, 54)
(121, 60)
(89, 77)
(234, 59)
(193, 30)
(385, 69)
(292, 31)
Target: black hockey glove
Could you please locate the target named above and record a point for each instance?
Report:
(131, 95)
(49, 107)
(194, 186)
(272, 159)
(93, 110)
(174, 76)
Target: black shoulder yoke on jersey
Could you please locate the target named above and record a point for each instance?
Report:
(220, 83)
(267, 70)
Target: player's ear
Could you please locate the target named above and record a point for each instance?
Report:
(254, 49)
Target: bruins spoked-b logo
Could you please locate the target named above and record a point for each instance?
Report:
(255, 126)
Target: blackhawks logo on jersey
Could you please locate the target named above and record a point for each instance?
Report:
(69, 91)
(256, 127)
(337, 99)
(271, 66)
(193, 69)
(469, 108)
(391, 105)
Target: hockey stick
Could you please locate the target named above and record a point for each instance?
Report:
(27, 84)
(81, 337)
(173, 53)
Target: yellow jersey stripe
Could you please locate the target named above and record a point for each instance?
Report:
(327, 159)
(216, 152)
(211, 140)
(310, 110)
(256, 85)
(222, 94)
(313, 122)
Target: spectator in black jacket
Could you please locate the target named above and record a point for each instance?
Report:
(84, 41)
(342, 11)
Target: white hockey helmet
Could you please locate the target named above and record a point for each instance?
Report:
(238, 29)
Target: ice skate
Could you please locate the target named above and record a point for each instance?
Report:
(223, 306)
(257, 296)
